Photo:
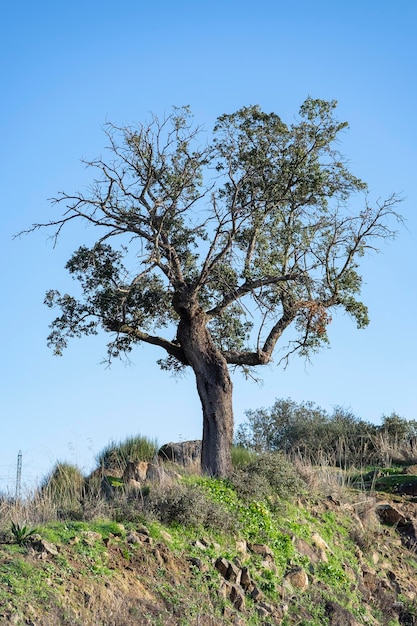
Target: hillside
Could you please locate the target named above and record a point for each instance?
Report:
(276, 544)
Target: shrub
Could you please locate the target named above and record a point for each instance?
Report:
(270, 474)
(187, 505)
(241, 456)
(135, 449)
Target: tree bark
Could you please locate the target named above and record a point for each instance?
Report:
(214, 388)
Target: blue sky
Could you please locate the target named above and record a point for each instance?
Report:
(66, 69)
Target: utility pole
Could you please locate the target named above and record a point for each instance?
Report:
(19, 476)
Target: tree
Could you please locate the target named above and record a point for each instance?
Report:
(225, 245)
(308, 430)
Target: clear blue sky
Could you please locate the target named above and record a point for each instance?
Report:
(67, 68)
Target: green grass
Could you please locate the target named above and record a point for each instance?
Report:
(117, 453)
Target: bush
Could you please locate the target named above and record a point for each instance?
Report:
(187, 505)
(64, 488)
(135, 449)
(270, 474)
(241, 456)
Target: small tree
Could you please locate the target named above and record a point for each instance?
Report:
(225, 245)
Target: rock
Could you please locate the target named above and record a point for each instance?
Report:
(256, 594)
(137, 537)
(222, 565)
(260, 548)
(89, 537)
(185, 453)
(390, 515)
(338, 615)
(305, 549)
(234, 593)
(369, 578)
(296, 578)
(268, 563)
(198, 563)
(245, 578)
(158, 557)
(242, 547)
(319, 542)
(45, 548)
(233, 573)
(237, 597)
(157, 474)
(135, 471)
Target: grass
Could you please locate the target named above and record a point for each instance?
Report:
(117, 454)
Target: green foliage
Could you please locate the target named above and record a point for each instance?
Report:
(21, 534)
(272, 474)
(135, 449)
(188, 505)
(307, 430)
(241, 456)
(272, 236)
(398, 429)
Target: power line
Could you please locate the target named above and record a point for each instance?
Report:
(19, 476)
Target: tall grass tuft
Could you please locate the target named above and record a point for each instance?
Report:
(116, 455)
(64, 488)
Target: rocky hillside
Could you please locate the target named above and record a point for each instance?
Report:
(296, 547)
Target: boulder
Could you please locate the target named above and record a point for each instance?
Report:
(297, 579)
(261, 549)
(390, 515)
(135, 471)
(185, 453)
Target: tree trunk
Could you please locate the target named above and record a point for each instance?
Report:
(214, 388)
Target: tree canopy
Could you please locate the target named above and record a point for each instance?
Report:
(210, 246)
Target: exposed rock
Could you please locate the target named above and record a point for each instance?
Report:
(296, 578)
(138, 537)
(305, 549)
(185, 453)
(89, 537)
(234, 593)
(260, 548)
(43, 547)
(222, 565)
(237, 597)
(319, 542)
(242, 547)
(389, 514)
(268, 563)
(245, 579)
(369, 578)
(233, 573)
(198, 563)
(158, 474)
(337, 615)
(255, 593)
(135, 471)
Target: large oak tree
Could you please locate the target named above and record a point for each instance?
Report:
(211, 247)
